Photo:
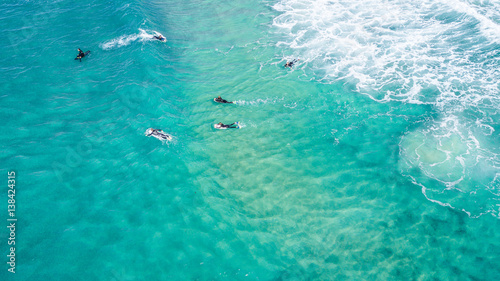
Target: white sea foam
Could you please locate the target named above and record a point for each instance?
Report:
(125, 40)
(258, 101)
(441, 53)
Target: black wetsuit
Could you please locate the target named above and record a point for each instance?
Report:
(289, 64)
(81, 54)
(229, 126)
(153, 131)
(222, 100)
(158, 37)
(159, 133)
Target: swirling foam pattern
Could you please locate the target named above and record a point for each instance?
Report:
(440, 53)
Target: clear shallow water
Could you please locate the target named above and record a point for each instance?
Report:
(376, 158)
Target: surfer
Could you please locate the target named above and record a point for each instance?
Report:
(290, 63)
(224, 126)
(221, 100)
(159, 134)
(151, 131)
(81, 54)
(159, 37)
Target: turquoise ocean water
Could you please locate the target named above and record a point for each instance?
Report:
(377, 157)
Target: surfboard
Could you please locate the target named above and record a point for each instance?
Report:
(217, 126)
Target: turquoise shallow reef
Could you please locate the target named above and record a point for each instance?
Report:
(375, 157)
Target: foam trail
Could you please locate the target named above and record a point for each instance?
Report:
(126, 40)
(258, 101)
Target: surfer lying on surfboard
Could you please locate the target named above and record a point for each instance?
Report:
(159, 37)
(157, 133)
(221, 100)
(290, 63)
(235, 125)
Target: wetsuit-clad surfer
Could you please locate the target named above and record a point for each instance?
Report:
(159, 37)
(221, 100)
(230, 126)
(156, 132)
(290, 63)
(81, 54)
(159, 134)
(152, 131)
